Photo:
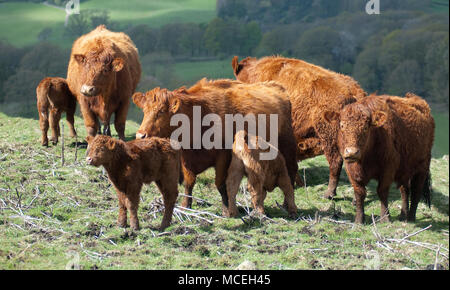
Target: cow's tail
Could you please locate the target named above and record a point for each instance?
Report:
(427, 189)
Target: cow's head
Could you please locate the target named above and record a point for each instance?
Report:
(240, 69)
(356, 121)
(99, 70)
(101, 150)
(159, 105)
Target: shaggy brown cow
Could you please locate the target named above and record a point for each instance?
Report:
(387, 139)
(263, 175)
(220, 97)
(54, 98)
(103, 72)
(312, 90)
(130, 165)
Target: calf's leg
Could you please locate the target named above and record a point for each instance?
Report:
(43, 124)
(235, 175)
(55, 116)
(189, 182)
(335, 161)
(169, 190)
(288, 190)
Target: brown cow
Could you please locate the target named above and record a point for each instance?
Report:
(388, 139)
(263, 175)
(103, 72)
(54, 98)
(130, 165)
(312, 90)
(220, 97)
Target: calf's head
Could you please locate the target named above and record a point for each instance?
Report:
(98, 71)
(159, 105)
(356, 122)
(100, 150)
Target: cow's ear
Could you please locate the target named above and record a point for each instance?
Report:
(111, 144)
(236, 66)
(331, 116)
(139, 99)
(302, 146)
(378, 118)
(117, 64)
(175, 105)
(80, 58)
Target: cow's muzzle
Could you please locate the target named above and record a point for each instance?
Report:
(89, 91)
(352, 154)
(140, 135)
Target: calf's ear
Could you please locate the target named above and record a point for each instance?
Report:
(117, 64)
(175, 105)
(111, 144)
(378, 118)
(331, 116)
(89, 139)
(235, 65)
(139, 99)
(302, 146)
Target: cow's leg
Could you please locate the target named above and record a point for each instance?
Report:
(169, 191)
(360, 196)
(335, 162)
(106, 127)
(70, 117)
(405, 192)
(121, 118)
(285, 185)
(383, 193)
(235, 175)
(417, 186)
(222, 163)
(90, 120)
(43, 124)
(55, 116)
(288, 149)
(189, 182)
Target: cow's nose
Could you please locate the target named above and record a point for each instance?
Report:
(87, 90)
(352, 153)
(88, 160)
(140, 135)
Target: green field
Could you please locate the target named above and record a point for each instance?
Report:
(22, 22)
(54, 216)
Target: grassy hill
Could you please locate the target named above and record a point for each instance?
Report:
(26, 20)
(53, 216)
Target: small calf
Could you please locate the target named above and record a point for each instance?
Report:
(131, 164)
(388, 139)
(54, 98)
(263, 175)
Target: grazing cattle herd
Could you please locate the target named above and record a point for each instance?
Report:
(317, 111)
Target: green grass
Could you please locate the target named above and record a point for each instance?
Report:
(191, 72)
(53, 214)
(441, 138)
(440, 5)
(22, 22)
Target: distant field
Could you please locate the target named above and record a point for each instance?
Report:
(440, 5)
(441, 140)
(190, 72)
(24, 21)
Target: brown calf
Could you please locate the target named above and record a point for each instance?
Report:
(388, 139)
(263, 175)
(54, 98)
(312, 90)
(130, 165)
(220, 97)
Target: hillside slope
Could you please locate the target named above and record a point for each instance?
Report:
(55, 216)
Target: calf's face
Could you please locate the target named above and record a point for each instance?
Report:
(158, 109)
(100, 150)
(98, 72)
(355, 125)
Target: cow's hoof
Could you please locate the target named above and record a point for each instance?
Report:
(329, 194)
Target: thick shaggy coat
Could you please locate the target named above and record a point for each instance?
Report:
(312, 90)
(219, 97)
(388, 139)
(103, 72)
(53, 98)
(263, 175)
(130, 165)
